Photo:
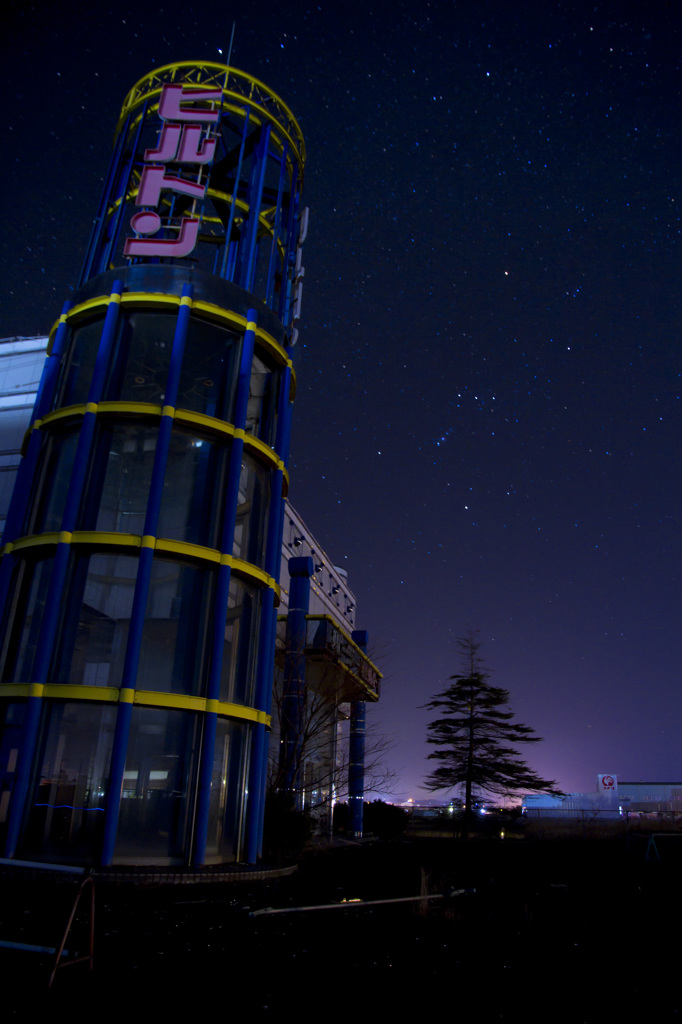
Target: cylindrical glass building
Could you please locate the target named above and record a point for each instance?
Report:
(141, 552)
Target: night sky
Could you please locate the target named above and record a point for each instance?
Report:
(487, 429)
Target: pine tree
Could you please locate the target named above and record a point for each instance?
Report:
(477, 736)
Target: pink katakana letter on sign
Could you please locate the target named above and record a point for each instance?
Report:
(182, 246)
(168, 145)
(192, 149)
(171, 109)
(182, 143)
(154, 179)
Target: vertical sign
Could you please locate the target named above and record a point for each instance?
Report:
(184, 142)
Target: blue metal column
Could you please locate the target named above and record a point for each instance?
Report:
(294, 693)
(356, 753)
(48, 627)
(254, 197)
(144, 572)
(223, 592)
(268, 633)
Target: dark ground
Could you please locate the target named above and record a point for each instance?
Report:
(555, 931)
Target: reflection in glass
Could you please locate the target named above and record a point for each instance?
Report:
(193, 489)
(125, 458)
(21, 638)
(250, 532)
(53, 476)
(11, 724)
(94, 633)
(142, 357)
(261, 415)
(210, 370)
(66, 810)
(175, 645)
(158, 785)
(77, 368)
(227, 808)
(239, 652)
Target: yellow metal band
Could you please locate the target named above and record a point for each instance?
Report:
(68, 412)
(341, 630)
(158, 300)
(8, 548)
(91, 407)
(208, 73)
(184, 548)
(185, 301)
(159, 699)
(246, 569)
(196, 552)
(136, 408)
(239, 433)
(240, 711)
(168, 410)
(36, 541)
(260, 448)
(115, 297)
(130, 540)
(200, 419)
(148, 698)
(106, 537)
(216, 313)
(71, 691)
(372, 694)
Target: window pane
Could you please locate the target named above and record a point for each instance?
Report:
(142, 358)
(261, 416)
(11, 726)
(78, 364)
(227, 808)
(208, 379)
(125, 487)
(53, 477)
(175, 647)
(252, 511)
(94, 633)
(193, 489)
(27, 618)
(237, 683)
(158, 785)
(66, 812)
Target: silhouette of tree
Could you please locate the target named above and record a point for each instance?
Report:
(477, 737)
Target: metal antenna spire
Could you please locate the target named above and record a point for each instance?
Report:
(229, 52)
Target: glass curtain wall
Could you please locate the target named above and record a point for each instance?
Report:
(95, 595)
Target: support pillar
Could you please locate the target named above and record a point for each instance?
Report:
(294, 695)
(356, 759)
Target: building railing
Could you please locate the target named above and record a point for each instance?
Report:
(325, 637)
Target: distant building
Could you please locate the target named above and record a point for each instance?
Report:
(611, 799)
(21, 366)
